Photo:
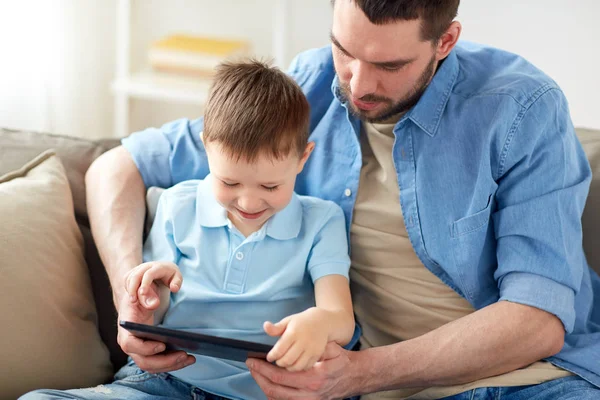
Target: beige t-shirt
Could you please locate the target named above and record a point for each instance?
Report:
(395, 296)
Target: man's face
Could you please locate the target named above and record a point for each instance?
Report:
(383, 69)
(252, 192)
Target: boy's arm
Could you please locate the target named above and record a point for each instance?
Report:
(332, 295)
(328, 266)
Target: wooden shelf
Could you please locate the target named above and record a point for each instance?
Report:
(165, 87)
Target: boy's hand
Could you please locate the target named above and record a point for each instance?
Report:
(303, 339)
(139, 305)
(141, 283)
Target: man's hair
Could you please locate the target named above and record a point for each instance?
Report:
(253, 110)
(437, 15)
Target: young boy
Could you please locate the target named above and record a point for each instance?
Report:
(240, 246)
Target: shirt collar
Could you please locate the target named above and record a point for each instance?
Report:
(427, 113)
(284, 225)
(210, 213)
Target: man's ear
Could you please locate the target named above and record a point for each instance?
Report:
(448, 40)
(310, 146)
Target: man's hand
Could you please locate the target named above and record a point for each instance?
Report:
(330, 378)
(303, 339)
(139, 304)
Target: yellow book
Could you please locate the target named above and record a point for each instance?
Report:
(194, 54)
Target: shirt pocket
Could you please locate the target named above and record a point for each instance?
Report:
(473, 248)
(473, 222)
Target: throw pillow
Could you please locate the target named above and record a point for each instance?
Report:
(50, 336)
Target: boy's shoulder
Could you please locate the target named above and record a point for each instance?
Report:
(183, 190)
(319, 210)
(182, 195)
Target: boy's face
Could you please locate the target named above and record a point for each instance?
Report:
(253, 192)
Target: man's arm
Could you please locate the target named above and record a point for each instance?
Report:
(116, 206)
(494, 340)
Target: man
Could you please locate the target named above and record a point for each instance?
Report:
(463, 184)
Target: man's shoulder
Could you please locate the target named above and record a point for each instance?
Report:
(313, 60)
(313, 69)
(489, 71)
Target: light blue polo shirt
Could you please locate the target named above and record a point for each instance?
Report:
(233, 284)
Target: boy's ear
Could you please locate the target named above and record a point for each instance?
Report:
(310, 146)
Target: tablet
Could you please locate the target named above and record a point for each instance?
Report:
(196, 343)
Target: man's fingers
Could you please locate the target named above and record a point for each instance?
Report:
(273, 391)
(134, 345)
(164, 362)
(279, 375)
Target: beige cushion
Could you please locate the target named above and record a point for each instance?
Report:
(49, 336)
(590, 140)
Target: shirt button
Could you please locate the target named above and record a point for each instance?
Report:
(239, 255)
(347, 192)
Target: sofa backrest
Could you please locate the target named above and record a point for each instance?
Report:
(17, 148)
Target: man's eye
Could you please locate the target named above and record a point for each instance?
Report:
(271, 188)
(390, 69)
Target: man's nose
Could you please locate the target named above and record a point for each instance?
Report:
(363, 80)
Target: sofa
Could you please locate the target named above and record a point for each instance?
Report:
(60, 321)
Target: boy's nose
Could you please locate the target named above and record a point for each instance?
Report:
(250, 205)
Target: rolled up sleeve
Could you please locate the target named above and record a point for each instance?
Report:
(543, 183)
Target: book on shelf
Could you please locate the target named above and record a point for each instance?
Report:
(194, 55)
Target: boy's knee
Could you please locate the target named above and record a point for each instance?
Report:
(36, 395)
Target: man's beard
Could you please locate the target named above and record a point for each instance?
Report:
(399, 107)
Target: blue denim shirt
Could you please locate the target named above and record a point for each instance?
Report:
(492, 179)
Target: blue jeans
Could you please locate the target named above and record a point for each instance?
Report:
(569, 388)
(131, 383)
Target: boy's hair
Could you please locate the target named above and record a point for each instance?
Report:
(437, 15)
(253, 110)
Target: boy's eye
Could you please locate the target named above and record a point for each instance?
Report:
(229, 184)
(271, 188)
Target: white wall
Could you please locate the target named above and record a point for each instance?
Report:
(58, 57)
(559, 36)
(309, 24)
